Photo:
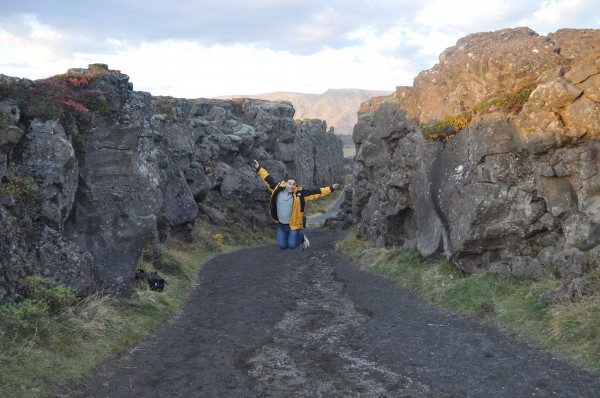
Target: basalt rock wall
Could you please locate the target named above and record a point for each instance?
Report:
(515, 188)
(93, 171)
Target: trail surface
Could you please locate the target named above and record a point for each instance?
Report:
(268, 323)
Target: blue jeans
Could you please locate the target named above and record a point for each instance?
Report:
(288, 238)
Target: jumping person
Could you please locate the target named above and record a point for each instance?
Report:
(287, 207)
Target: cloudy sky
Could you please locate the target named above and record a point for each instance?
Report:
(201, 48)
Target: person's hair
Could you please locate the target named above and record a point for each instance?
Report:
(291, 178)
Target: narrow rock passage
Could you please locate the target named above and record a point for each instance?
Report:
(269, 323)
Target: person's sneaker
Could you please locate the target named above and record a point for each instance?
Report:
(306, 243)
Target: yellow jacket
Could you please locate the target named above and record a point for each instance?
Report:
(301, 196)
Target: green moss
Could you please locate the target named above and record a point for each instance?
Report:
(96, 101)
(78, 142)
(361, 175)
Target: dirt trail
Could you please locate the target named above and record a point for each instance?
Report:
(268, 323)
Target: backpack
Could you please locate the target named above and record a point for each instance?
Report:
(155, 282)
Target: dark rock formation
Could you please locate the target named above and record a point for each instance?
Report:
(513, 190)
(337, 107)
(93, 171)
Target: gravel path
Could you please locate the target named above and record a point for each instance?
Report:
(268, 323)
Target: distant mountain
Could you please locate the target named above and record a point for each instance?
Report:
(338, 107)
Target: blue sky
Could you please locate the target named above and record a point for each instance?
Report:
(193, 48)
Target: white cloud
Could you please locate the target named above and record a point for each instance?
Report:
(388, 40)
(466, 15)
(186, 69)
(192, 49)
(35, 41)
(558, 13)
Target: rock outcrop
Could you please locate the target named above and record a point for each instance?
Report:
(93, 171)
(491, 158)
(337, 107)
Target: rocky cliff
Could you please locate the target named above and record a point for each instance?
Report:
(491, 158)
(335, 106)
(92, 171)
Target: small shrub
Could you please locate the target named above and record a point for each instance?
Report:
(446, 129)
(5, 90)
(55, 299)
(73, 93)
(78, 142)
(25, 321)
(511, 101)
(34, 287)
(43, 108)
(219, 241)
(8, 89)
(53, 98)
(61, 296)
(96, 101)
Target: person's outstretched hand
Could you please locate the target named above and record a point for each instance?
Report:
(256, 165)
(335, 186)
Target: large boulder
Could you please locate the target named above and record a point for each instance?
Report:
(514, 191)
(46, 155)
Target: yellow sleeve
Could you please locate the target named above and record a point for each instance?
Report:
(324, 192)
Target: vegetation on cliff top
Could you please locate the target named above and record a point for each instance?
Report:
(511, 101)
(76, 92)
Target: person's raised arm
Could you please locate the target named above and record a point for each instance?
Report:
(269, 181)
